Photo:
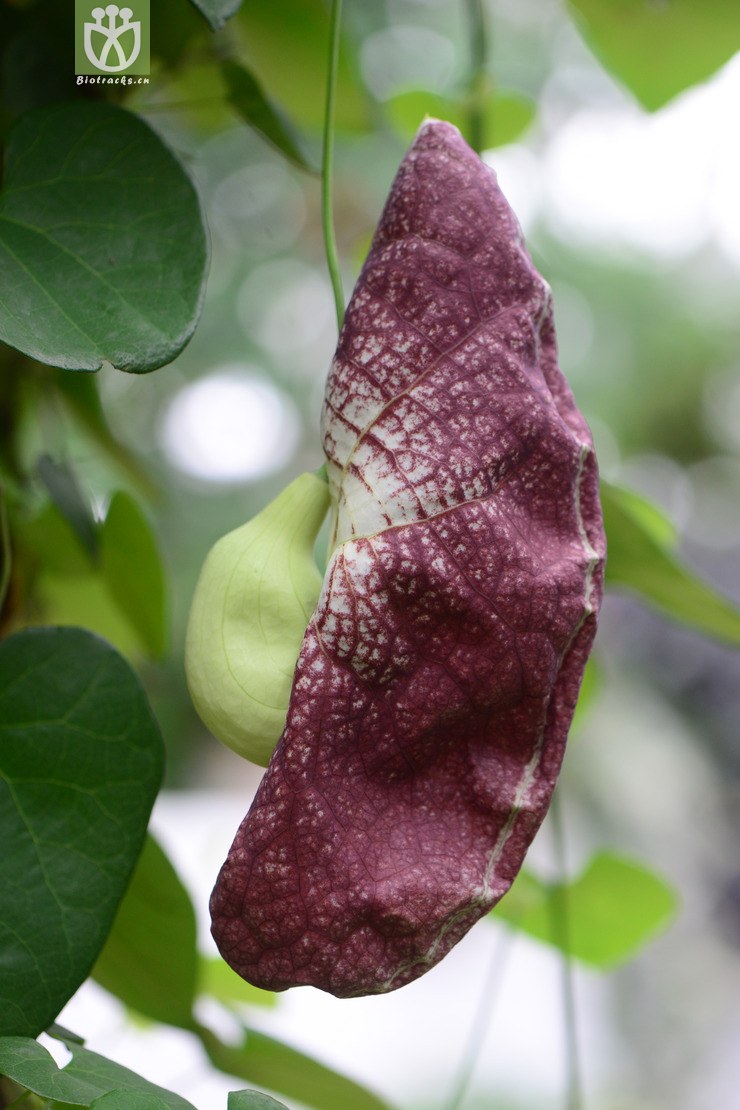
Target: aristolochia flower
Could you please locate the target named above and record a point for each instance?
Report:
(438, 675)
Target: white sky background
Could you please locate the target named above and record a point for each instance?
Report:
(661, 184)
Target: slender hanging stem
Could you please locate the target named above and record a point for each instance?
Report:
(330, 243)
(561, 934)
(5, 552)
(481, 1022)
(477, 84)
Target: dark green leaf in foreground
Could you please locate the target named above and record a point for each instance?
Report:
(640, 559)
(150, 960)
(272, 1064)
(102, 245)
(81, 761)
(603, 918)
(251, 104)
(84, 1079)
(252, 1100)
(659, 49)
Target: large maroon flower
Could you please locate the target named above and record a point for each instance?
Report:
(438, 676)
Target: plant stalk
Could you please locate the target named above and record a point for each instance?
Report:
(481, 1022)
(561, 933)
(6, 557)
(478, 79)
(327, 160)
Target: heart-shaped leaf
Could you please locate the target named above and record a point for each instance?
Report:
(102, 245)
(659, 49)
(80, 765)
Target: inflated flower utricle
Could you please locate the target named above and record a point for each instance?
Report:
(254, 596)
(438, 675)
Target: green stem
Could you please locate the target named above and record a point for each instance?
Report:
(27, 1099)
(481, 1022)
(5, 552)
(478, 80)
(330, 243)
(561, 934)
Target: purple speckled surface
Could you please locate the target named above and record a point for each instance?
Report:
(438, 676)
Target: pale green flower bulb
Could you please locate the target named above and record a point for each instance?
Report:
(257, 590)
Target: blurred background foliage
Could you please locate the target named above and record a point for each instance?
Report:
(625, 178)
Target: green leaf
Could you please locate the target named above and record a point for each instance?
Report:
(590, 686)
(48, 539)
(80, 765)
(102, 245)
(83, 1080)
(275, 1065)
(506, 115)
(178, 32)
(251, 104)
(121, 595)
(286, 46)
(61, 483)
(27, 1062)
(217, 12)
(253, 1100)
(609, 913)
(38, 52)
(217, 979)
(150, 961)
(79, 393)
(650, 517)
(659, 49)
(130, 1100)
(133, 571)
(640, 560)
